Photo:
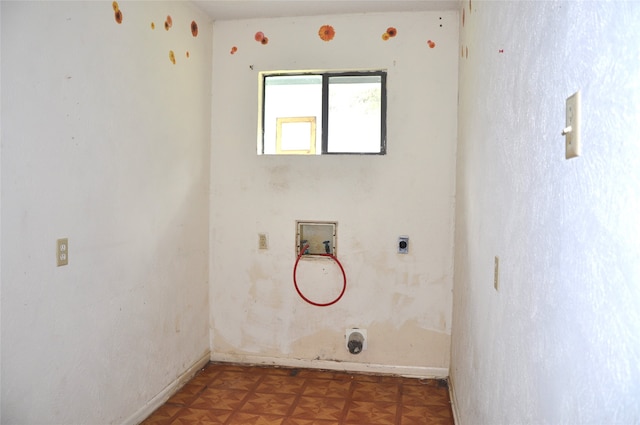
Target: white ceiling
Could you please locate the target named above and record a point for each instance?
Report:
(247, 9)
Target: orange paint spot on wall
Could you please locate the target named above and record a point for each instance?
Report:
(326, 33)
(172, 57)
(194, 28)
(233, 51)
(118, 16)
(188, 55)
(391, 32)
(153, 25)
(431, 44)
(168, 23)
(115, 6)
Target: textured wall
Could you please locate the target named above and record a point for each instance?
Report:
(403, 300)
(104, 141)
(560, 341)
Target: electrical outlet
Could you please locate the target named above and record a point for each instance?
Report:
(496, 272)
(571, 132)
(403, 245)
(62, 252)
(263, 241)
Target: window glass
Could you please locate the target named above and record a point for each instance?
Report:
(288, 97)
(354, 114)
(323, 113)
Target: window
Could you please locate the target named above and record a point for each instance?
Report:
(323, 113)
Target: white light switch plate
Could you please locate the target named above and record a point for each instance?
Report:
(572, 130)
(496, 272)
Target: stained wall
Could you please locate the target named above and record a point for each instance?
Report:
(105, 141)
(559, 341)
(404, 301)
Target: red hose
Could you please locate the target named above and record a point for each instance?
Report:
(295, 282)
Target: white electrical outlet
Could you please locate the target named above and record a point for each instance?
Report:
(62, 252)
(571, 132)
(263, 241)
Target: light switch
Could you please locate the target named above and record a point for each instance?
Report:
(571, 131)
(496, 272)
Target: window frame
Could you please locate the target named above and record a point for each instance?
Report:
(326, 75)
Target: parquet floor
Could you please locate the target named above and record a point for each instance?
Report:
(233, 394)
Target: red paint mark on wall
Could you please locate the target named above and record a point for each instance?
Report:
(431, 44)
(501, 51)
(168, 23)
(233, 51)
(261, 38)
(194, 28)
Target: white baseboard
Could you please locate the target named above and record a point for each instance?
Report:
(422, 372)
(167, 392)
(454, 403)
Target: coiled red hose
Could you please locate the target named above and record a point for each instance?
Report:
(295, 281)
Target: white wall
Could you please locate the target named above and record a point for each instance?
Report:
(106, 142)
(404, 301)
(560, 341)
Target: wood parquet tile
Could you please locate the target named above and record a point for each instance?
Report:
(229, 394)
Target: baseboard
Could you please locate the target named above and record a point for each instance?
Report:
(167, 392)
(454, 403)
(422, 372)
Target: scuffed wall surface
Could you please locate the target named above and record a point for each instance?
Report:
(404, 301)
(104, 141)
(560, 341)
